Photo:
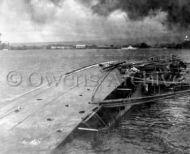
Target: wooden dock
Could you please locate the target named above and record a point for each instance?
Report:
(38, 121)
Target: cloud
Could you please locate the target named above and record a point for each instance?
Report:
(77, 20)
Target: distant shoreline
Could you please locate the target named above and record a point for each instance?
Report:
(82, 45)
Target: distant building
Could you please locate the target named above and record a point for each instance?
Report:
(129, 48)
(3, 45)
(186, 38)
(186, 43)
(103, 47)
(80, 46)
(61, 47)
(53, 47)
(57, 47)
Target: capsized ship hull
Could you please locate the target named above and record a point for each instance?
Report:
(40, 120)
(44, 119)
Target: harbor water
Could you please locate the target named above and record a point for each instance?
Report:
(157, 128)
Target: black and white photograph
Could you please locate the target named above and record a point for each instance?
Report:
(94, 77)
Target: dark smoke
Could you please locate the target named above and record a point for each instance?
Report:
(131, 20)
(178, 11)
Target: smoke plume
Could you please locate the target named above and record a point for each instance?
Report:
(77, 20)
(42, 11)
(178, 11)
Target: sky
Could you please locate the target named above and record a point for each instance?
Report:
(80, 20)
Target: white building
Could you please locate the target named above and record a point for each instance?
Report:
(80, 46)
(186, 38)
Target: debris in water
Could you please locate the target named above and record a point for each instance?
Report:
(59, 131)
(81, 112)
(18, 109)
(39, 99)
(49, 119)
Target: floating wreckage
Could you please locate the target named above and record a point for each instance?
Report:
(47, 117)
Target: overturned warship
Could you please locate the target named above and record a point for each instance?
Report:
(45, 119)
(144, 82)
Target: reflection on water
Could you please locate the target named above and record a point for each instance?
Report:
(159, 127)
(155, 128)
